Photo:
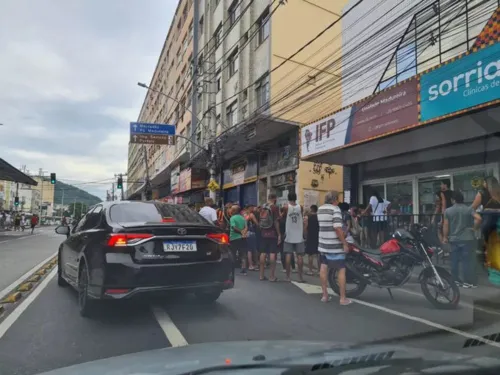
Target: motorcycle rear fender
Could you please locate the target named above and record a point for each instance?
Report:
(427, 272)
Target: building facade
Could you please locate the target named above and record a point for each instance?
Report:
(250, 102)
(424, 109)
(172, 76)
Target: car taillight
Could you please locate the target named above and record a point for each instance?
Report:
(168, 220)
(221, 238)
(126, 239)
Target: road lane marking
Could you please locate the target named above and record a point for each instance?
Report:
(429, 323)
(16, 313)
(462, 303)
(174, 336)
(14, 285)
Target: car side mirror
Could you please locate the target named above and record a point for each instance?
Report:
(62, 229)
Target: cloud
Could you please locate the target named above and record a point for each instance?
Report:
(68, 77)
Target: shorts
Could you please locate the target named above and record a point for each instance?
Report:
(290, 248)
(251, 242)
(269, 245)
(312, 248)
(380, 226)
(239, 245)
(333, 260)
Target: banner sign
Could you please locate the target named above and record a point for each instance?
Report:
(325, 134)
(239, 170)
(466, 82)
(174, 180)
(385, 112)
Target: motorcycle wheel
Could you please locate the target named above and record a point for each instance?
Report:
(450, 286)
(350, 278)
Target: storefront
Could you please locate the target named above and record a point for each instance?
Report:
(192, 185)
(283, 184)
(239, 181)
(403, 141)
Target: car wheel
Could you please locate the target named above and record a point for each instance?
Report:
(208, 296)
(60, 280)
(85, 303)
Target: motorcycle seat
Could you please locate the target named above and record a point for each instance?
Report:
(369, 250)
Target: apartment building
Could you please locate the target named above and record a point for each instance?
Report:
(422, 109)
(172, 77)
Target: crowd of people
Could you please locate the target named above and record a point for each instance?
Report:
(259, 234)
(17, 221)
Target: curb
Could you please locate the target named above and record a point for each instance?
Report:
(27, 285)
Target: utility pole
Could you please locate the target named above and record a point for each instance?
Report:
(41, 192)
(17, 194)
(62, 204)
(113, 191)
(147, 186)
(194, 89)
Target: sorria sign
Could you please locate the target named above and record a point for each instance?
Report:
(325, 134)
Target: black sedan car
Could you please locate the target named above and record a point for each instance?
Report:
(122, 249)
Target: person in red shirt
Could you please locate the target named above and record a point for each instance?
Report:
(269, 216)
(34, 222)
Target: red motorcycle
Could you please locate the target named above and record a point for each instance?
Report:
(392, 265)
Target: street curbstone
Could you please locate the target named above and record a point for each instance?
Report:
(1, 309)
(12, 298)
(34, 279)
(26, 287)
(41, 272)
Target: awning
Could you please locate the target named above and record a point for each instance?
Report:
(247, 136)
(9, 173)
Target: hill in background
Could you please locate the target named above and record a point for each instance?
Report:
(71, 192)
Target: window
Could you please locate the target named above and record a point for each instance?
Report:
(231, 115)
(188, 130)
(200, 26)
(218, 84)
(264, 27)
(198, 137)
(191, 30)
(233, 62)
(179, 56)
(200, 65)
(218, 35)
(234, 12)
(262, 91)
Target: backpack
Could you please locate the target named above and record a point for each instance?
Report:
(266, 220)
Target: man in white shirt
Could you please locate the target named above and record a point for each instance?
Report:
(208, 212)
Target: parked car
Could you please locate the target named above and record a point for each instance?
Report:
(123, 249)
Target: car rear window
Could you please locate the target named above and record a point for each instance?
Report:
(153, 212)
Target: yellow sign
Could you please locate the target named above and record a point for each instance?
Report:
(476, 182)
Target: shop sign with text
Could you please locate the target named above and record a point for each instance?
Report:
(326, 134)
(469, 81)
(185, 180)
(239, 170)
(390, 110)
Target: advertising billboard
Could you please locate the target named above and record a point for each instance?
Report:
(466, 82)
(326, 134)
(390, 110)
(174, 180)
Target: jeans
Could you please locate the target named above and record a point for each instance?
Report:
(462, 252)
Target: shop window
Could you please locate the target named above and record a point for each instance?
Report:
(469, 183)
(427, 193)
(400, 195)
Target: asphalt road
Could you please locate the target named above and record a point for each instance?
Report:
(50, 334)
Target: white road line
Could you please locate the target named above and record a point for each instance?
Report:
(311, 290)
(14, 315)
(462, 303)
(172, 333)
(11, 287)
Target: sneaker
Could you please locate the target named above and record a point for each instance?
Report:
(458, 283)
(466, 286)
(469, 286)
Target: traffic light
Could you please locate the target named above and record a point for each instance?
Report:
(119, 184)
(52, 178)
(16, 201)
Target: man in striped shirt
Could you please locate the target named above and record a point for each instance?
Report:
(332, 245)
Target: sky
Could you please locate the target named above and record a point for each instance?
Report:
(68, 79)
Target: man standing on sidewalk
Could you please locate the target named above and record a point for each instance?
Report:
(333, 246)
(294, 236)
(459, 233)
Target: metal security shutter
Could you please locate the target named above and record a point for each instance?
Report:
(249, 194)
(231, 195)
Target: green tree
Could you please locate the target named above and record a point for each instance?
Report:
(77, 209)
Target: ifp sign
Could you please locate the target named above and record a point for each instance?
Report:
(325, 134)
(469, 81)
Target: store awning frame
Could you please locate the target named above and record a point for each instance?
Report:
(10, 173)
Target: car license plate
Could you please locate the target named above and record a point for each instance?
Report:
(179, 246)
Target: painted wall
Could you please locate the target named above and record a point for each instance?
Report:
(315, 180)
(292, 26)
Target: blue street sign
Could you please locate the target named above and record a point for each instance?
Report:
(156, 129)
